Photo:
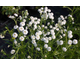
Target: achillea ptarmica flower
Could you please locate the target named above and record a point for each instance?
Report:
(32, 37)
(12, 51)
(50, 38)
(16, 26)
(22, 23)
(28, 57)
(64, 49)
(15, 41)
(70, 35)
(38, 48)
(21, 38)
(15, 35)
(33, 41)
(53, 36)
(49, 48)
(25, 32)
(16, 15)
(45, 46)
(69, 32)
(37, 37)
(21, 28)
(1, 36)
(75, 41)
(35, 45)
(60, 42)
(69, 42)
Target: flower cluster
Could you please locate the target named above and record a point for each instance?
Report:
(42, 32)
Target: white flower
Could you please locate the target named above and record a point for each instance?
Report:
(46, 40)
(16, 15)
(70, 15)
(40, 11)
(12, 17)
(49, 10)
(8, 46)
(37, 33)
(35, 23)
(33, 41)
(22, 23)
(24, 20)
(38, 48)
(44, 34)
(15, 41)
(60, 42)
(65, 17)
(39, 27)
(62, 17)
(1, 36)
(69, 32)
(40, 32)
(46, 8)
(43, 39)
(70, 35)
(13, 7)
(53, 36)
(64, 35)
(38, 22)
(28, 57)
(26, 27)
(61, 36)
(45, 55)
(50, 38)
(35, 45)
(65, 30)
(35, 26)
(32, 37)
(50, 15)
(75, 41)
(45, 27)
(41, 8)
(44, 16)
(21, 28)
(21, 38)
(48, 33)
(64, 22)
(16, 26)
(25, 32)
(48, 23)
(45, 46)
(15, 35)
(57, 29)
(25, 16)
(51, 26)
(26, 12)
(24, 35)
(64, 49)
(37, 37)
(49, 48)
(20, 17)
(52, 32)
(42, 25)
(69, 42)
(72, 22)
(12, 51)
(30, 23)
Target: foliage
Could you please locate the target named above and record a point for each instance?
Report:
(9, 10)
